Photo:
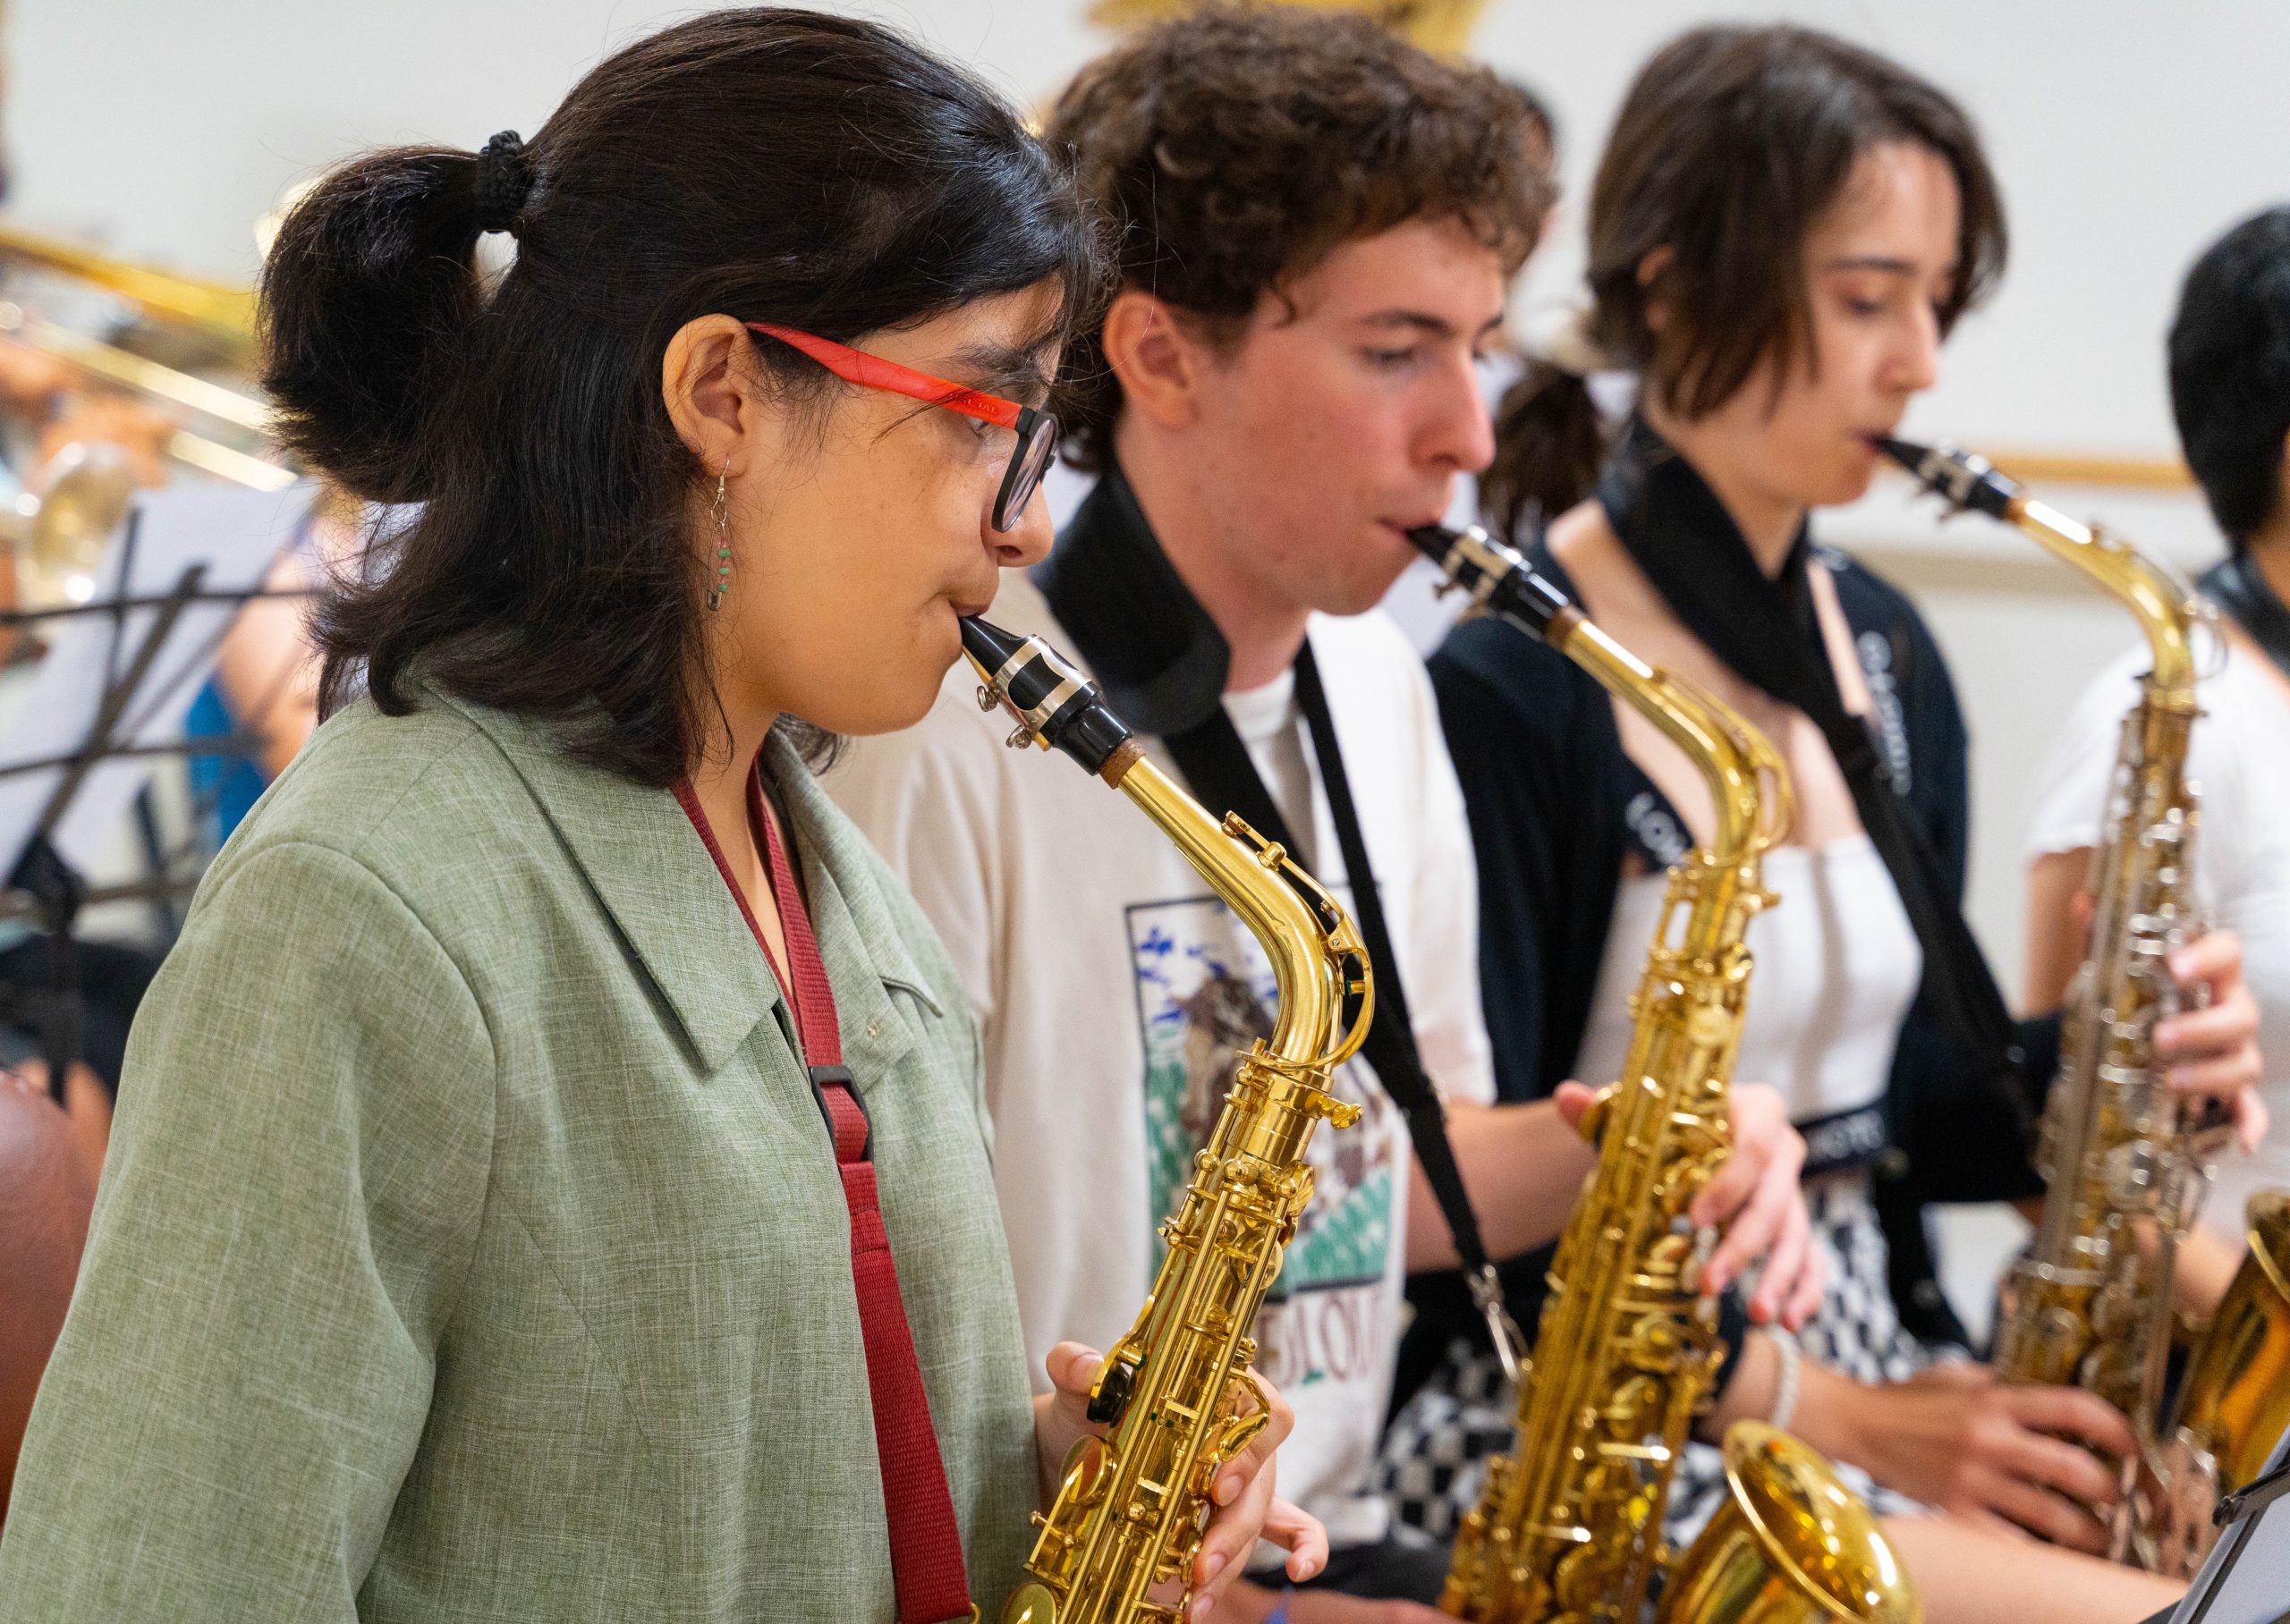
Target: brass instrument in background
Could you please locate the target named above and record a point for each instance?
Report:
(2125, 1162)
(177, 343)
(1177, 1391)
(1569, 1527)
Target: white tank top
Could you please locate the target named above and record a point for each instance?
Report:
(1837, 965)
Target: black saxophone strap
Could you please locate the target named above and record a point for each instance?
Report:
(2235, 586)
(1217, 767)
(1683, 539)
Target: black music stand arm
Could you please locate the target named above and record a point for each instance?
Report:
(42, 871)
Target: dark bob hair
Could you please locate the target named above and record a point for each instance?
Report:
(773, 164)
(1231, 150)
(2230, 372)
(1730, 146)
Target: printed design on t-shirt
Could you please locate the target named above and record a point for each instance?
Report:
(1205, 993)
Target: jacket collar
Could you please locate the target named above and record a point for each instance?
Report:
(1142, 633)
(651, 870)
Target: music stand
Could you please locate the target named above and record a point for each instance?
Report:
(108, 702)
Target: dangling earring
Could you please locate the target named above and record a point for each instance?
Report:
(723, 516)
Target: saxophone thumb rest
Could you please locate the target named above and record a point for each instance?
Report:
(1055, 705)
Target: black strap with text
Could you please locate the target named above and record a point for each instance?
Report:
(1217, 765)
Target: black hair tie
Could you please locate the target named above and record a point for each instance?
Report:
(503, 181)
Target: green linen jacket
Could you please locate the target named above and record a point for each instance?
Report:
(471, 1245)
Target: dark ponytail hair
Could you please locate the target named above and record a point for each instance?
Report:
(1730, 146)
(1549, 446)
(773, 164)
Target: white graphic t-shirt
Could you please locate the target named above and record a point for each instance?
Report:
(1113, 988)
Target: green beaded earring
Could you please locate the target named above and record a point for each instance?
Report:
(723, 516)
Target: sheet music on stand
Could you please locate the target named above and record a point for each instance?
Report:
(120, 672)
(2246, 1577)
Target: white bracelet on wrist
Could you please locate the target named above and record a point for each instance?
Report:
(1784, 1386)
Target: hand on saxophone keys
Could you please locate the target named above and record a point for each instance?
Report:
(2212, 1046)
(1247, 1511)
(2012, 1457)
(1757, 1200)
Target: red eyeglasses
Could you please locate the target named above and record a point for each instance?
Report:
(1037, 431)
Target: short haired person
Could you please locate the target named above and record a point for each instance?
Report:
(1316, 223)
(553, 1180)
(1783, 229)
(2230, 392)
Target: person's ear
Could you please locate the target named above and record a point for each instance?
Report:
(711, 387)
(1649, 275)
(1157, 357)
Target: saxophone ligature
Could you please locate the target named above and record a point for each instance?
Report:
(2125, 1162)
(1568, 1528)
(1177, 1392)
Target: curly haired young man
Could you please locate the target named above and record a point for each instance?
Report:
(1316, 225)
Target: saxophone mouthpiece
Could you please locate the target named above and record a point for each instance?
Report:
(1960, 477)
(1053, 704)
(1496, 577)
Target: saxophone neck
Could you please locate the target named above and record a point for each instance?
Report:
(1749, 783)
(2165, 607)
(1326, 994)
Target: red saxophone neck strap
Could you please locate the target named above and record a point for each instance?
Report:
(925, 1542)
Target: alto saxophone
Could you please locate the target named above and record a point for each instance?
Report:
(1568, 1528)
(1176, 1392)
(2127, 1163)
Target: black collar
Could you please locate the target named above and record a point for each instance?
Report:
(2237, 587)
(1681, 536)
(1146, 639)
(1687, 546)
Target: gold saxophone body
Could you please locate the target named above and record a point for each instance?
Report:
(1568, 1529)
(1177, 1393)
(2127, 1163)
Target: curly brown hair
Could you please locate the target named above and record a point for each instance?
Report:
(1233, 149)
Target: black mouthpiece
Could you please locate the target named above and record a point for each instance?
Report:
(1049, 699)
(1961, 478)
(987, 645)
(1496, 577)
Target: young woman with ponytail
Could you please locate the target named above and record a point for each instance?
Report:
(1783, 230)
(554, 1179)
